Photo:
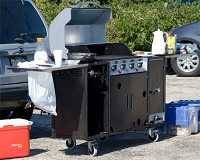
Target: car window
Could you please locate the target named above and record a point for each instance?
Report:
(17, 18)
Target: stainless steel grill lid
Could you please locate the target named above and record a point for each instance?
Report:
(79, 26)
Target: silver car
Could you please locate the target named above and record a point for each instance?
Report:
(20, 25)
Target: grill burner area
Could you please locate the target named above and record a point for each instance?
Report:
(117, 55)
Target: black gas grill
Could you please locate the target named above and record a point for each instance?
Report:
(115, 92)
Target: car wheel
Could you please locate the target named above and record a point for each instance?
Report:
(25, 112)
(187, 64)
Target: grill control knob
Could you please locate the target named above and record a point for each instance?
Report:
(131, 66)
(123, 66)
(114, 67)
(139, 65)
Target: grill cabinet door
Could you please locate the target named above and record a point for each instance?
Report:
(70, 88)
(156, 85)
(128, 102)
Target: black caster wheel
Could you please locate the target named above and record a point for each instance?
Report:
(154, 135)
(70, 143)
(93, 148)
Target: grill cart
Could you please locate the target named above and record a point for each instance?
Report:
(110, 91)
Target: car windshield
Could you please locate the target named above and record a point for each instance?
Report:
(18, 18)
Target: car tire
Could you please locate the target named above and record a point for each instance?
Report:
(24, 112)
(189, 68)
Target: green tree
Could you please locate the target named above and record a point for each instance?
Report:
(134, 20)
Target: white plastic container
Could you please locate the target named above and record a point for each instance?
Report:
(158, 45)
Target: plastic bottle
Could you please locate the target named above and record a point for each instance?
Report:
(41, 55)
(171, 43)
(158, 45)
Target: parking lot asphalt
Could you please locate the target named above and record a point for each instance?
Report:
(127, 146)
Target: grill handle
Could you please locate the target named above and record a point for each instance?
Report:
(129, 102)
(155, 91)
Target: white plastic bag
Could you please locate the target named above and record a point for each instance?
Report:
(41, 91)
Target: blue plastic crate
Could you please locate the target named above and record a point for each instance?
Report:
(178, 113)
(184, 113)
(194, 103)
(184, 102)
(177, 116)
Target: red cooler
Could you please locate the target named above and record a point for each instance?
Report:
(14, 138)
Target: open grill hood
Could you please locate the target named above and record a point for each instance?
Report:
(79, 26)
